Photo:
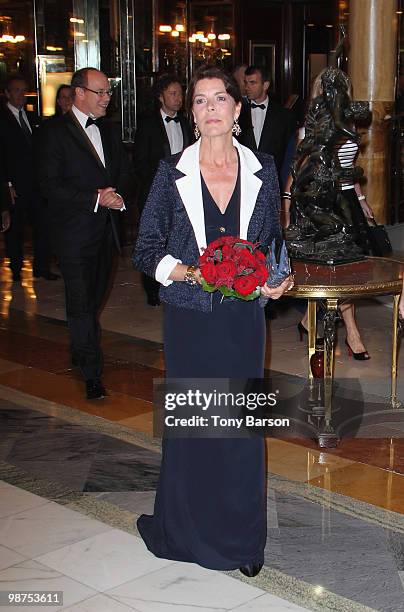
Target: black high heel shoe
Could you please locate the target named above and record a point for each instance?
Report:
(304, 332)
(251, 569)
(364, 356)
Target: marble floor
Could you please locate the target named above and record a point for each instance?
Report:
(75, 475)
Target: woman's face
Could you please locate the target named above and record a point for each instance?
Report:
(214, 110)
(65, 99)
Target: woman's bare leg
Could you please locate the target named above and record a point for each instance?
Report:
(352, 333)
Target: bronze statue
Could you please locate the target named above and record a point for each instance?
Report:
(322, 228)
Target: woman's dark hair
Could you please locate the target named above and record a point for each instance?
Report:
(213, 72)
(58, 110)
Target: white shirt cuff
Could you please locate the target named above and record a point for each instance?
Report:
(123, 207)
(123, 203)
(164, 269)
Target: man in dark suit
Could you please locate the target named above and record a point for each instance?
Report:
(85, 175)
(4, 209)
(265, 125)
(160, 134)
(5, 201)
(18, 152)
(5, 198)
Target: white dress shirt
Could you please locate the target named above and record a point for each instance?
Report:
(174, 133)
(92, 132)
(258, 117)
(94, 135)
(16, 113)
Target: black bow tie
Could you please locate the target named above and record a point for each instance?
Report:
(91, 121)
(176, 119)
(261, 106)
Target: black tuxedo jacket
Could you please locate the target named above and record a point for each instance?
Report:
(152, 145)
(5, 200)
(279, 125)
(17, 153)
(71, 173)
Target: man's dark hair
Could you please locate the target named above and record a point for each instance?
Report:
(265, 76)
(80, 79)
(213, 72)
(164, 83)
(12, 78)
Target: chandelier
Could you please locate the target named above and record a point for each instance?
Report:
(6, 35)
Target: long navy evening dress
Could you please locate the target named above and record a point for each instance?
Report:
(210, 504)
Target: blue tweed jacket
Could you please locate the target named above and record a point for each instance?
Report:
(172, 226)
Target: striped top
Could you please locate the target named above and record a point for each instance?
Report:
(347, 151)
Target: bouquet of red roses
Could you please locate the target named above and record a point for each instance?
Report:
(233, 266)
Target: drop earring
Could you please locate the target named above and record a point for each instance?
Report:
(236, 129)
(196, 132)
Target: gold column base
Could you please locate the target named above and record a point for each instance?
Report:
(395, 402)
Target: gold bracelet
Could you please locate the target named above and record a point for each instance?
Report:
(190, 276)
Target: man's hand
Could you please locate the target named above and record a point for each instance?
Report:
(5, 220)
(276, 292)
(110, 199)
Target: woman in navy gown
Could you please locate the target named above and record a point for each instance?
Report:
(210, 505)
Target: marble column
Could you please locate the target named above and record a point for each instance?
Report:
(372, 68)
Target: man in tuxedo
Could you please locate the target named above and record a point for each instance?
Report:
(160, 134)
(4, 208)
(85, 176)
(18, 153)
(5, 201)
(265, 125)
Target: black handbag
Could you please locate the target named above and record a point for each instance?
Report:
(379, 240)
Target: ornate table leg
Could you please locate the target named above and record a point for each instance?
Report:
(327, 436)
(312, 327)
(395, 402)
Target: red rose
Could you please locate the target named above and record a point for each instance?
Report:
(244, 285)
(204, 258)
(260, 256)
(227, 252)
(261, 274)
(219, 242)
(229, 240)
(246, 259)
(215, 244)
(208, 271)
(226, 271)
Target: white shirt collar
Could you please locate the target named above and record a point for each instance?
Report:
(82, 117)
(15, 110)
(164, 115)
(264, 102)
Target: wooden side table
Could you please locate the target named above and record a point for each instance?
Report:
(371, 277)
